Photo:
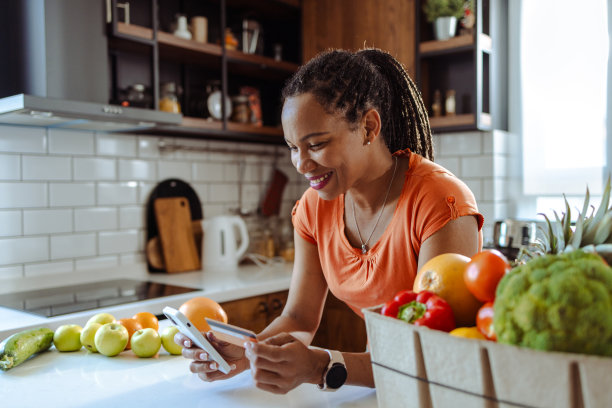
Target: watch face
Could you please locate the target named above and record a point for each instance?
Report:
(336, 376)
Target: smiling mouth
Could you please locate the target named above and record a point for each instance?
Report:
(320, 181)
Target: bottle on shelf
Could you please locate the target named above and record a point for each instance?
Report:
(169, 100)
(436, 106)
(182, 29)
(449, 104)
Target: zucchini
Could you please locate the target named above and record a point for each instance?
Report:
(17, 348)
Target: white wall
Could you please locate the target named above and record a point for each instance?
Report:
(75, 200)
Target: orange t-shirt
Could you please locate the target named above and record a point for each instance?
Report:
(431, 197)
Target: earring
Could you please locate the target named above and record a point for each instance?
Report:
(368, 142)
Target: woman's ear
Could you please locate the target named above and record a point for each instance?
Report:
(371, 124)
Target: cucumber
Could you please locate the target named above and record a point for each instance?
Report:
(17, 348)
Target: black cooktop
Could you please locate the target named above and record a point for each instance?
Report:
(76, 298)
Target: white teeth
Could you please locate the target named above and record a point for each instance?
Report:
(320, 179)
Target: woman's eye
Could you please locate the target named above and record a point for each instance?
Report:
(292, 148)
(316, 146)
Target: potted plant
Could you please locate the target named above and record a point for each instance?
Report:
(444, 14)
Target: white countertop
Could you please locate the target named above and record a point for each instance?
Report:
(219, 285)
(82, 379)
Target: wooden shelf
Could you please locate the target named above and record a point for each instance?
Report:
(452, 121)
(135, 31)
(257, 130)
(460, 43)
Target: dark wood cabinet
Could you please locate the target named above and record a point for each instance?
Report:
(350, 24)
(145, 51)
(340, 328)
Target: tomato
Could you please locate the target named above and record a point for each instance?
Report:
(484, 321)
(483, 273)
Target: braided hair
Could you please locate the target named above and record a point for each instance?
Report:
(354, 82)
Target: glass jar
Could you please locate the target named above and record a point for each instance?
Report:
(169, 100)
(138, 96)
(241, 112)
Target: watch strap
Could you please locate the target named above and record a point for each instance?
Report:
(335, 359)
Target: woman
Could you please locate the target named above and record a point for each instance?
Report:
(377, 210)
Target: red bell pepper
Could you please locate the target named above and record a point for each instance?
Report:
(421, 309)
(484, 321)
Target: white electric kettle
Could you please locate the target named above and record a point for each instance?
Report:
(225, 242)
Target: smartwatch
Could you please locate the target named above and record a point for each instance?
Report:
(335, 373)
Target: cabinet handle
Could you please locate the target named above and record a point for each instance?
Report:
(276, 305)
(263, 307)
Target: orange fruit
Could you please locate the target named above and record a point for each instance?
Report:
(443, 275)
(132, 326)
(146, 320)
(197, 309)
(468, 332)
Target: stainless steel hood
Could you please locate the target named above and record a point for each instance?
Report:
(55, 70)
(32, 110)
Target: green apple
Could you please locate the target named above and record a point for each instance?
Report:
(146, 342)
(67, 337)
(101, 318)
(111, 339)
(167, 338)
(88, 336)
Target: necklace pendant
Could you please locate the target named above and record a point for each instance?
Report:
(364, 249)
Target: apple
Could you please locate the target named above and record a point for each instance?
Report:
(167, 338)
(67, 337)
(101, 318)
(111, 339)
(88, 335)
(146, 342)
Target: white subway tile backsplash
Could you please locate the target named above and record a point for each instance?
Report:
(10, 223)
(23, 139)
(144, 191)
(73, 246)
(117, 193)
(148, 147)
(23, 195)
(475, 185)
(101, 262)
(22, 250)
(116, 242)
(223, 193)
(170, 169)
(48, 268)
(231, 173)
(132, 259)
(95, 219)
(137, 170)
(47, 221)
(71, 194)
(211, 171)
(201, 190)
(46, 168)
(500, 165)
(74, 142)
(11, 272)
(131, 217)
(452, 164)
(460, 144)
(10, 167)
(115, 144)
(95, 168)
(476, 166)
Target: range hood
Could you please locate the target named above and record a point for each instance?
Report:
(32, 110)
(56, 69)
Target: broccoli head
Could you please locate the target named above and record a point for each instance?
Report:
(557, 302)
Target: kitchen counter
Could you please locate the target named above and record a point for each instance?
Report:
(83, 379)
(219, 285)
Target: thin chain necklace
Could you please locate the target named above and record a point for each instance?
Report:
(364, 245)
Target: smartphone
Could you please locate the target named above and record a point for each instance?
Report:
(232, 334)
(188, 329)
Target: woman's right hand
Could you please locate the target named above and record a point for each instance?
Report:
(204, 366)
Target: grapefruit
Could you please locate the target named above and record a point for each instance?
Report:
(198, 308)
(443, 275)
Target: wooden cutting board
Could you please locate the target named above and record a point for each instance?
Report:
(176, 234)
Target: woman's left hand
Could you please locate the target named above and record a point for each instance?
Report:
(281, 363)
